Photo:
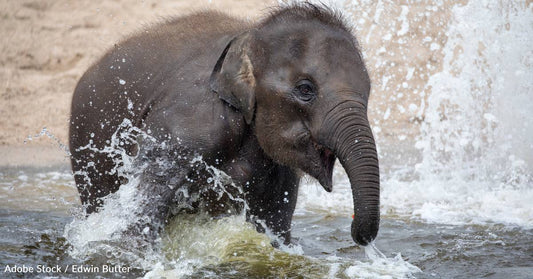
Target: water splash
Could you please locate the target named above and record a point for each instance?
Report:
(476, 136)
(45, 132)
(381, 267)
(200, 246)
(477, 121)
(126, 134)
(101, 235)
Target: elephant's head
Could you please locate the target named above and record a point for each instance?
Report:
(299, 79)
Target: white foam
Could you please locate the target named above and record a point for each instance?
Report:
(380, 266)
(477, 165)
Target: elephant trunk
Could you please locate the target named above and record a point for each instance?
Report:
(346, 130)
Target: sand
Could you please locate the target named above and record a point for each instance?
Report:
(45, 48)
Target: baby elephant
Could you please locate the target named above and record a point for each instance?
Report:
(204, 93)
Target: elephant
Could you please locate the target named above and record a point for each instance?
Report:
(262, 102)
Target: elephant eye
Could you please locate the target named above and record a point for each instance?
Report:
(305, 90)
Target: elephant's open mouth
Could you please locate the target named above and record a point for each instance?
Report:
(327, 158)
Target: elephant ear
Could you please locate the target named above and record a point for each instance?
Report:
(233, 76)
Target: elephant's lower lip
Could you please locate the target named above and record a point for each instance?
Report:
(327, 158)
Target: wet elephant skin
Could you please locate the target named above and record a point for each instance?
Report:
(264, 102)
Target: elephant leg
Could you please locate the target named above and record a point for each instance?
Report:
(155, 197)
(273, 204)
(160, 179)
(93, 178)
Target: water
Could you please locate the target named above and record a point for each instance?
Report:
(230, 248)
(457, 161)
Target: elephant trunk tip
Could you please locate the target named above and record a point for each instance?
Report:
(365, 232)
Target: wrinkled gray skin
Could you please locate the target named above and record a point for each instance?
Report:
(261, 102)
